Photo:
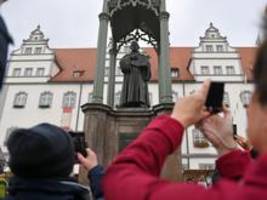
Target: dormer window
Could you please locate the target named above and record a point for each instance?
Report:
(218, 70)
(28, 72)
(16, 72)
(38, 50)
(230, 70)
(175, 73)
(219, 48)
(40, 72)
(77, 74)
(209, 48)
(205, 70)
(28, 50)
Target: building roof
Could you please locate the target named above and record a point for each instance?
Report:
(75, 60)
(84, 61)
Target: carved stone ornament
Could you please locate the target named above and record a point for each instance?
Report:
(115, 5)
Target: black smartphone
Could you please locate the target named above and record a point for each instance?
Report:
(79, 143)
(234, 130)
(214, 101)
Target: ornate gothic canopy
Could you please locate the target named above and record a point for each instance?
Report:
(135, 19)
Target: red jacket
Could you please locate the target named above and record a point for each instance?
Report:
(134, 175)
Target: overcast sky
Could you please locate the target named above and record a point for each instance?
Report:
(74, 23)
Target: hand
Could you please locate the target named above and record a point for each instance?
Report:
(191, 109)
(219, 131)
(90, 161)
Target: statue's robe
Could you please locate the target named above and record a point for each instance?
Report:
(137, 72)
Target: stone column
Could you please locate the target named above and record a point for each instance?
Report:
(112, 76)
(101, 55)
(165, 88)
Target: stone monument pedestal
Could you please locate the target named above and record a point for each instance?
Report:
(108, 131)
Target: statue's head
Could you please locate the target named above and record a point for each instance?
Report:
(134, 46)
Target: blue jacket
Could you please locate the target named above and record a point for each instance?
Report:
(95, 176)
(26, 189)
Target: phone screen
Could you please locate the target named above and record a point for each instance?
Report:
(79, 143)
(235, 129)
(214, 101)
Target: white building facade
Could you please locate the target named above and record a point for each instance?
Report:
(51, 85)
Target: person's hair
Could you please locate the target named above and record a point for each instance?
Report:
(260, 74)
(260, 67)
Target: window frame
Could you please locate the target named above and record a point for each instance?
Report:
(38, 50)
(209, 48)
(18, 70)
(28, 51)
(20, 100)
(205, 67)
(26, 70)
(69, 99)
(38, 70)
(230, 70)
(117, 98)
(219, 48)
(46, 99)
(217, 67)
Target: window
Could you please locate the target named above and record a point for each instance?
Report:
(218, 70)
(150, 98)
(245, 98)
(175, 73)
(28, 50)
(16, 72)
(28, 72)
(199, 139)
(106, 71)
(174, 96)
(209, 48)
(206, 166)
(40, 72)
(20, 100)
(185, 166)
(69, 100)
(118, 71)
(77, 74)
(38, 50)
(219, 48)
(230, 70)
(117, 98)
(226, 99)
(205, 70)
(8, 133)
(90, 97)
(45, 100)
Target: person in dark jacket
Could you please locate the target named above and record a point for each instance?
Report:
(5, 40)
(42, 159)
(95, 172)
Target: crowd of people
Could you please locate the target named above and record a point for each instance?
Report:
(41, 158)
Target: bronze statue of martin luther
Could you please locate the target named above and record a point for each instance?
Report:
(137, 72)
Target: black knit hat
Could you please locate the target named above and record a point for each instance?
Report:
(43, 151)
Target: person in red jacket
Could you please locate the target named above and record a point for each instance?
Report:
(135, 173)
